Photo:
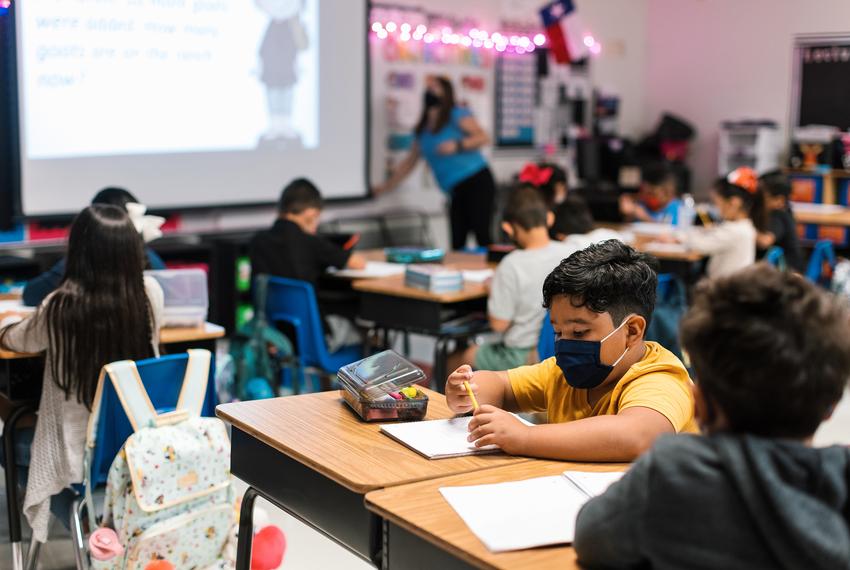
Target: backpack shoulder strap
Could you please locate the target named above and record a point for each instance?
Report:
(131, 391)
(195, 381)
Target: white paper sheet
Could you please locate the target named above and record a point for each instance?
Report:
(477, 275)
(438, 439)
(591, 483)
(373, 270)
(529, 513)
(520, 514)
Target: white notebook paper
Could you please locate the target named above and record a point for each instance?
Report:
(373, 270)
(438, 439)
(529, 513)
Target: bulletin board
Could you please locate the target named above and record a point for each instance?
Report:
(821, 81)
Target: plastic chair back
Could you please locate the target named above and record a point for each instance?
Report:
(294, 302)
(162, 378)
(776, 257)
(821, 263)
(546, 342)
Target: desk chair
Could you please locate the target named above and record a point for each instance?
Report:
(821, 263)
(776, 257)
(546, 343)
(162, 378)
(294, 302)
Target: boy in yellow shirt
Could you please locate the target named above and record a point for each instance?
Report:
(608, 393)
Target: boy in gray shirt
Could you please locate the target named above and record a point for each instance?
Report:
(515, 307)
(771, 354)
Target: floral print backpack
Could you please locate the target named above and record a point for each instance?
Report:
(168, 492)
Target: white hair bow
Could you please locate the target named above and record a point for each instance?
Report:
(148, 226)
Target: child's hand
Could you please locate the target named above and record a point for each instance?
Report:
(628, 206)
(456, 395)
(492, 425)
(448, 147)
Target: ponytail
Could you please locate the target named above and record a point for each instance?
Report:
(743, 183)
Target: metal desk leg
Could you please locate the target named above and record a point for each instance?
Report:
(12, 501)
(246, 530)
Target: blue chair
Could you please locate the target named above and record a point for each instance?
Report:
(776, 257)
(821, 263)
(294, 302)
(546, 343)
(162, 378)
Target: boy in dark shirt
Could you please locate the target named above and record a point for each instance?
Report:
(783, 227)
(292, 249)
(771, 356)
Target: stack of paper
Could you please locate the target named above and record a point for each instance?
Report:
(438, 439)
(529, 513)
(433, 278)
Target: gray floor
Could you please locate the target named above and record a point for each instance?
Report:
(307, 549)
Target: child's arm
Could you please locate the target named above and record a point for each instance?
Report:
(356, 261)
(714, 240)
(621, 437)
(765, 239)
(491, 388)
(607, 527)
(631, 210)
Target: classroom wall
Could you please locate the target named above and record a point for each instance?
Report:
(712, 60)
(620, 25)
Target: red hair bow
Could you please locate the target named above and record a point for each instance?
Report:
(535, 175)
(745, 177)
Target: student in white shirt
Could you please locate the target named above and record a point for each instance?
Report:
(731, 245)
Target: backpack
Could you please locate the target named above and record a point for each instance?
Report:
(260, 352)
(168, 492)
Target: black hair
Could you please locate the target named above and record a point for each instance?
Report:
(525, 208)
(657, 174)
(100, 312)
(608, 276)
(572, 216)
(299, 195)
(775, 183)
(769, 349)
(753, 201)
(114, 196)
(447, 103)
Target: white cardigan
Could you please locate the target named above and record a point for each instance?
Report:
(60, 433)
(730, 245)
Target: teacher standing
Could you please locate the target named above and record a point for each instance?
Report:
(450, 139)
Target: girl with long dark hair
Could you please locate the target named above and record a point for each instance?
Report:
(450, 139)
(103, 310)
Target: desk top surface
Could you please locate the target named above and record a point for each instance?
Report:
(166, 336)
(394, 286)
(420, 509)
(321, 432)
(831, 218)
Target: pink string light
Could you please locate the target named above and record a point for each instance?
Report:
(472, 38)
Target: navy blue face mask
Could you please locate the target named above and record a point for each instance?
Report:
(580, 362)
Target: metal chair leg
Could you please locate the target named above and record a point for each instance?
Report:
(80, 554)
(32, 555)
(246, 530)
(13, 504)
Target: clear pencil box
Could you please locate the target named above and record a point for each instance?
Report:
(383, 387)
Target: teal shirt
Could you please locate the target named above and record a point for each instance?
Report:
(669, 214)
(449, 170)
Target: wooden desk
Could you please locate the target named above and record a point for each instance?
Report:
(841, 218)
(643, 242)
(421, 530)
(313, 457)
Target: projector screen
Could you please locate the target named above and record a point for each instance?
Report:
(189, 103)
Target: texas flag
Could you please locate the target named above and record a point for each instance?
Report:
(564, 31)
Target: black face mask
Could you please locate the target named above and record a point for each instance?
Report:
(432, 100)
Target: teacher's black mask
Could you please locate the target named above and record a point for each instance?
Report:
(432, 100)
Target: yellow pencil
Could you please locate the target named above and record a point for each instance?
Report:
(471, 395)
(706, 221)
